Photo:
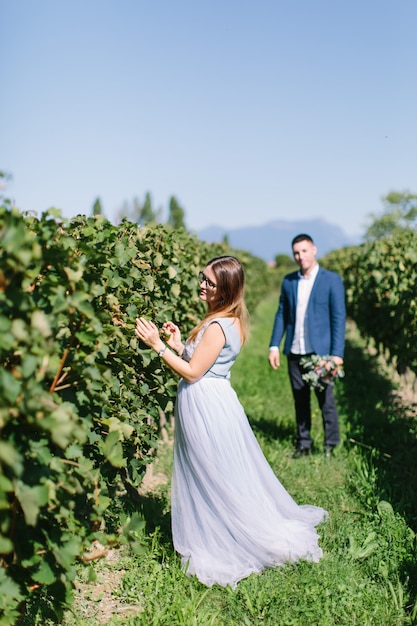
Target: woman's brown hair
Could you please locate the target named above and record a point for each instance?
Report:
(228, 299)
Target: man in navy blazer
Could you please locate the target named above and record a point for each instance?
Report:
(312, 315)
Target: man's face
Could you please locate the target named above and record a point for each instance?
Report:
(304, 253)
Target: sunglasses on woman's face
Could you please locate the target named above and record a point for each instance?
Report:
(202, 278)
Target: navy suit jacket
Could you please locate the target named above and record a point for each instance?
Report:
(326, 314)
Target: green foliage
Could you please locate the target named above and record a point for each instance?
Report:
(81, 398)
(4, 177)
(285, 262)
(176, 214)
(147, 214)
(400, 213)
(380, 279)
(97, 208)
(142, 213)
(45, 483)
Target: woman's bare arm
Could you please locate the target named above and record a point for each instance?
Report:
(203, 358)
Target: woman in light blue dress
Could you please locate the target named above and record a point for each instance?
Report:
(231, 516)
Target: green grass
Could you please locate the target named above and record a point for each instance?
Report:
(368, 573)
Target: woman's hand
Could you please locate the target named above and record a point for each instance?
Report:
(149, 334)
(172, 336)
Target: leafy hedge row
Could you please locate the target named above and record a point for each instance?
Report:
(80, 402)
(381, 291)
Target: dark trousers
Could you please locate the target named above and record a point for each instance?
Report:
(302, 396)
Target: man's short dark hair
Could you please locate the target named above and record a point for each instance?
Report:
(302, 237)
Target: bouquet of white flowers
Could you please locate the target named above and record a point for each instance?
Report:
(320, 371)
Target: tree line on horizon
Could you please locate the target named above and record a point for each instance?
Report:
(144, 213)
(399, 213)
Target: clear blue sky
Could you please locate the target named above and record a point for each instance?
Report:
(246, 111)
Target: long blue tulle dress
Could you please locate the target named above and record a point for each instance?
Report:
(231, 516)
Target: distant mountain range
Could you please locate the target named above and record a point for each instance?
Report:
(275, 237)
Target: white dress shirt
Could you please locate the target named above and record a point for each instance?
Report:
(301, 342)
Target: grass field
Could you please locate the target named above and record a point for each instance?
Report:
(368, 575)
